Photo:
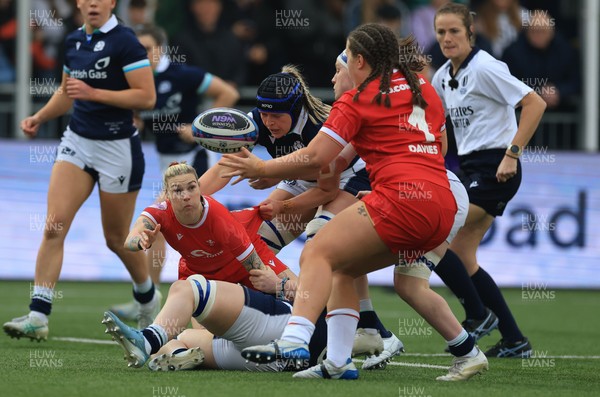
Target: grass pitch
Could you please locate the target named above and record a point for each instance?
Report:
(561, 324)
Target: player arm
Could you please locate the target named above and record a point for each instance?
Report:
(296, 165)
(533, 107)
(59, 103)
(140, 94)
(252, 261)
(223, 94)
(213, 179)
(138, 238)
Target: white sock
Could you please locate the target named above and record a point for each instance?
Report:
(143, 287)
(473, 352)
(366, 305)
(298, 330)
(39, 315)
(341, 327)
(459, 339)
(43, 293)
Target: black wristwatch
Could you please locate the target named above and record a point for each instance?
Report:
(515, 151)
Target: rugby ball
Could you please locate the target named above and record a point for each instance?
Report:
(225, 130)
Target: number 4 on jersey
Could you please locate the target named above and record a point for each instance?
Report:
(417, 120)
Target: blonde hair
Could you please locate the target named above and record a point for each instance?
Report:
(176, 169)
(317, 110)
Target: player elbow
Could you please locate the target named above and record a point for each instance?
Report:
(148, 101)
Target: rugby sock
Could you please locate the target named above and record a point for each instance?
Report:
(492, 297)
(144, 292)
(155, 337)
(369, 321)
(454, 274)
(341, 327)
(462, 345)
(41, 300)
(298, 330)
(181, 349)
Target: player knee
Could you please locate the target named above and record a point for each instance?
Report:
(204, 292)
(419, 268)
(320, 219)
(275, 235)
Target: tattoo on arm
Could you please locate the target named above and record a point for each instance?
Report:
(253, 261)
(133, 244)
(147, 224)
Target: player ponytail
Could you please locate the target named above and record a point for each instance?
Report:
(317, 110)
(409, 63)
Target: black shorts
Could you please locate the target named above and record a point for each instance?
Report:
(478, 174)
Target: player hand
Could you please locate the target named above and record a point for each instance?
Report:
(30, 126)
(77, 89)
(269, 209)
(362, 194)
(185, 133)
(263, 183)
(148, 237)
(507, 169)
(245, 166)
(265, 280)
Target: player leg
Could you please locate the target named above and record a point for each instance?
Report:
(349, 238)
(192, 349)
(120, 172)
(371, 337)
(69, 187)
(513, 342)
(411, 281)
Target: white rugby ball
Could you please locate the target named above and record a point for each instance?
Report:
(225, 130)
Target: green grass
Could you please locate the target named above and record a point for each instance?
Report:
(567, 324)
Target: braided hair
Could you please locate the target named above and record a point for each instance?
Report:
(379, 46)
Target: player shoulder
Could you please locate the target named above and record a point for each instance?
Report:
(160, 206)
(484, 63)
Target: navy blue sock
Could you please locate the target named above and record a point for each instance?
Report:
(40, 305)
(492, 297)
(453, 273)
(463, 347)
(181, 349)
(369, 319)
(154, 338)
(144, 297)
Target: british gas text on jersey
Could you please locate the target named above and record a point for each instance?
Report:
(88, 74)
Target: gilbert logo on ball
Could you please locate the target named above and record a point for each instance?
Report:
(225, 130)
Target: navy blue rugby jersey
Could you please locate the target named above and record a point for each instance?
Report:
(102, 62)
(177, 90)
(297, 138)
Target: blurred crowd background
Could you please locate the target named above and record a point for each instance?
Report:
(243, 41)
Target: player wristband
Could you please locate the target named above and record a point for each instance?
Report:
(281, 295)
(512, 157)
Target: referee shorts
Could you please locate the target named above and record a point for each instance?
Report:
(478, 175)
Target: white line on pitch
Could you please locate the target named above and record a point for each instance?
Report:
(568, 357)
(83, 340)
(402, 364)
(109, 342)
